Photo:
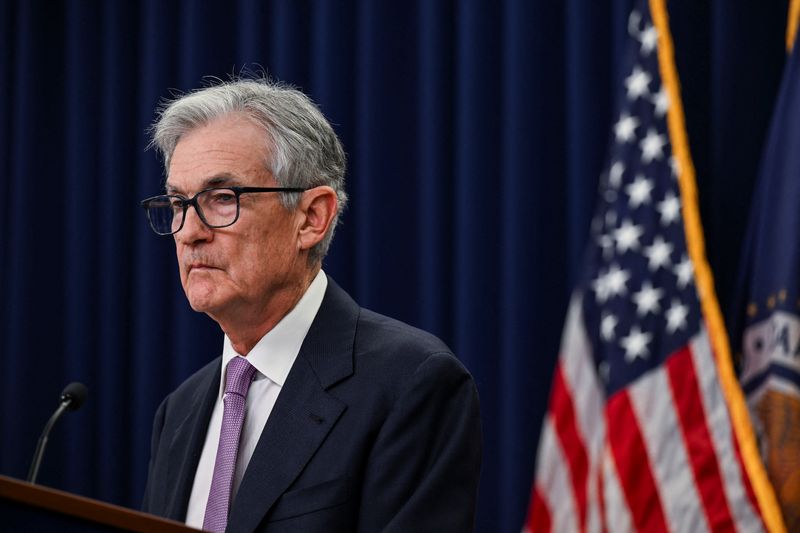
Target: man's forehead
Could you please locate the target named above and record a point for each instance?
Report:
(228, 151)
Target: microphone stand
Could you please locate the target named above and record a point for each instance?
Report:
(37, 456)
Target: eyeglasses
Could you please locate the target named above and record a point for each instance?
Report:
(217, 207)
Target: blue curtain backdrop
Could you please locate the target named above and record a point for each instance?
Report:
(476, 132)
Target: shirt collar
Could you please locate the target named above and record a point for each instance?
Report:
(274, 355)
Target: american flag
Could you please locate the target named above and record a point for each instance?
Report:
(639, 434)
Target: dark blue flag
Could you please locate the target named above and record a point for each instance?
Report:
(766, 325)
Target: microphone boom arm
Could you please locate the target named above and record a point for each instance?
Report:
(37, 456)
(71, 399)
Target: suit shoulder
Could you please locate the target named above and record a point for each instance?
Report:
(377, 329)
(397, 346)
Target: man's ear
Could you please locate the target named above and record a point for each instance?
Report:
(318, 207)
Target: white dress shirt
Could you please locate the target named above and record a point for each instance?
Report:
(273, 357)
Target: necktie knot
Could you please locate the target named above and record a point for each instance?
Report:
(239, 375)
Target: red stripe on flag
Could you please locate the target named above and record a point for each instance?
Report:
(539, 519)
(633, 465)
(571, 443)
(700, 448)
(601, 501)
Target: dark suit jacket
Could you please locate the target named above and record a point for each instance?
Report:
(376, 428)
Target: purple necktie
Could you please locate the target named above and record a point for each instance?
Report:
(239, 375)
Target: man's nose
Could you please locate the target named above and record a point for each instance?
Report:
(194, 229)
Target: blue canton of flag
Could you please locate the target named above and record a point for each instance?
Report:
(642, 300)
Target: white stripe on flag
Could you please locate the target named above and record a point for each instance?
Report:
(654, 408)
(580, 378)
(553, 481)
(618, 516)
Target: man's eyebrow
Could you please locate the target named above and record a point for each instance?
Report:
(219, 180)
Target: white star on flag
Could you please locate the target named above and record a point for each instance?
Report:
(669, 208)
(627, 236)
(684, 270)
(606, 243)
(674, 166)
(647, 299)
(635, 344)
(639, 191)
(600, 287)
(652, 146)
(658, 253)
(616, 280)
(661, 101)
(625, 128)
(607, 325)
(649, 39)
(615, 174)
(637, 83)
(676, 316)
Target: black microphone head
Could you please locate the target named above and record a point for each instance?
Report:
(75, 394)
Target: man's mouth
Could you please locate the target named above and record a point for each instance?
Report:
(200, 267)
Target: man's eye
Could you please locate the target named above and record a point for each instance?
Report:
(223, 198)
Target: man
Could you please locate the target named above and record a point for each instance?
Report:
(319, 415)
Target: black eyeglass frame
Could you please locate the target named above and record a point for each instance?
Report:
(186, 202)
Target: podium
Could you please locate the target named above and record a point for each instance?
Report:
(28, 507)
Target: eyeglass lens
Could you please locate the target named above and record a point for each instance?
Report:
(217, 208)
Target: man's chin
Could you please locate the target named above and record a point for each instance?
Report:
(203, 301)
(200, 307)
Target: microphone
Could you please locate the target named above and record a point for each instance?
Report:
(72, 398)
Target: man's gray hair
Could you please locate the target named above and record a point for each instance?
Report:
(305, 150)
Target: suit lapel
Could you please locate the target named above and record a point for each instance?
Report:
(302, 417)
(187, 444)
(304, 413)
